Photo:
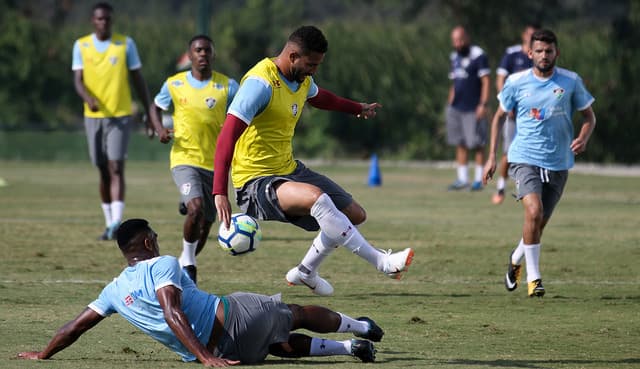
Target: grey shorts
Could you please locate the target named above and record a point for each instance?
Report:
(107, 138)
(508, 133)
(463, 128)
(252, 323)
(195, 182)
(258, 197)
(546, 183)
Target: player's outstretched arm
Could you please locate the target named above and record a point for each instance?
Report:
(66, 335)
(327, 100)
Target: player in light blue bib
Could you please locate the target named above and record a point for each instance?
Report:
(544, 99)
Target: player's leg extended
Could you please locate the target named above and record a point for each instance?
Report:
(531, 232)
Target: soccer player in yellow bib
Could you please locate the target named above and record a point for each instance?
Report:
(200, 98)
(102, 63)
(256, 144)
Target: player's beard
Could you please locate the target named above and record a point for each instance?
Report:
(297, 75)
(546, 68)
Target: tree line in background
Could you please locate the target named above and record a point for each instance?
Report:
(393, 52)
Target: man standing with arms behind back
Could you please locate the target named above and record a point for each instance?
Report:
(515, 59)
(544, 98)
(467, 107)
(102, 62)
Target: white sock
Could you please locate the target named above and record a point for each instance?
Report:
(348, 324)
(337, 227)
(325, 347)
(532, 256)
(463, 174)
(188, 256)
(321, 247)
(500, 183)
(478, 173)
(106, 210)
(117, 208)
(518, 253)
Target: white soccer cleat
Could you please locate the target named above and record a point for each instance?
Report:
(317, 284)
(397, 263)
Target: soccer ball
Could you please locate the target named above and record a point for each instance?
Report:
(242, 236)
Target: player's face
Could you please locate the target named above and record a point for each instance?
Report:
(305, 65)
(543, 55)
(459, 40)
(101, 20)
(201, 55)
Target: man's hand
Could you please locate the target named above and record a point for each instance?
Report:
(29, 355)
(368, 110)
(489, 170)
(481, 112)
(578, 146)
(223, 207)
(216, 362)
(93, 103)
(165, 135)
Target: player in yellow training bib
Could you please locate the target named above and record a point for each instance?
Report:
(256, 145)
(102, 64)
(199, 98)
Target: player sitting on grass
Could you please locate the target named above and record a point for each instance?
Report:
(155, 295)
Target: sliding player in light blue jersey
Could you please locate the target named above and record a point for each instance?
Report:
(515, 59)
(156, 296)
(544, 99)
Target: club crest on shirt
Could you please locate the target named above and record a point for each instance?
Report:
(537, 114)
(185, 188)
(559, 92)
(210, 101)
(113, 60)
(294, 109)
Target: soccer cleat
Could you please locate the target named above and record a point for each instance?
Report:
(317, 284)
(512, 278)
(112, 230)
(397, 263)
(363, 350)
(536, 288)
(457, 186)
(105, 235)
(374, 333)
(498, 197)
(182, 208)
(476, 186)
(192, 272)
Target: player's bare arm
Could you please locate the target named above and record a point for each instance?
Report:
(481, 109)
(164, 134)
(490, 165)
(170, 299)
(579, 145)
(66, 335)
(78, 83)
(143, 94)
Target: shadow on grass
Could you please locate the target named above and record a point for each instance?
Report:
(537, 364)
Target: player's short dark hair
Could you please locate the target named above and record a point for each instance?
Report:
(102, 5)
(544, 35)
(310, 39)
(200, 37)
(129, 230)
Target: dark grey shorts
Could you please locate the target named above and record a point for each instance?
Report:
(195, 182)
(547, 183)
(258, 197)
(107, 138)
(252, 323)
(463, 128)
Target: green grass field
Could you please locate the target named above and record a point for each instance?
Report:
(450, 311)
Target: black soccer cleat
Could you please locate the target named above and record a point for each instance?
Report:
(192, 272)
(374, 333)
(363, 350)
(182, 208)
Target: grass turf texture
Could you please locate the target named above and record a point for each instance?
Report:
(450, 311)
